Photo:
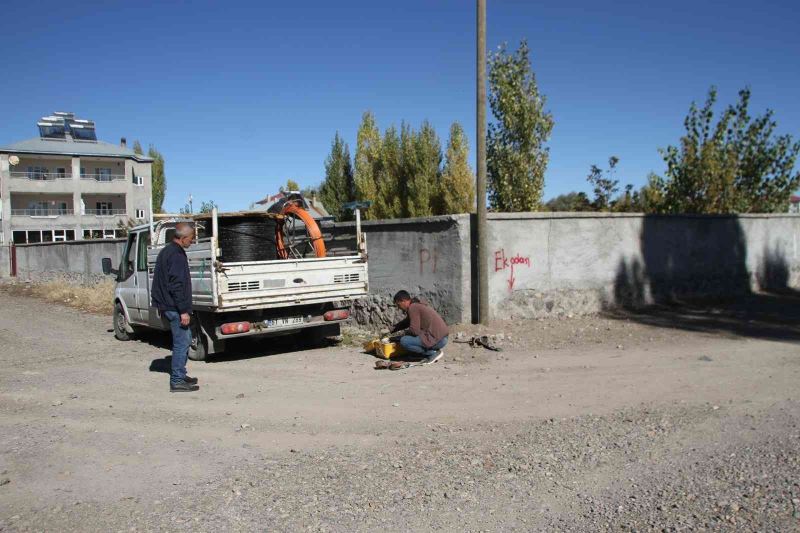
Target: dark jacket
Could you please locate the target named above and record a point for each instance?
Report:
(424, 322)
(172, 282)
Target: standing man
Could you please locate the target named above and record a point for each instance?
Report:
(172, 295)
(426, 331)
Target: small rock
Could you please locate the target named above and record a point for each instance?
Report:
(4, 481)
(704, 358)
(57, 403)
(240, 395)
(395, 405)
(246, 426)
(619, 346)
(715, 407)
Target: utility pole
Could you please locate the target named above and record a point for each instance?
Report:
(483, 245)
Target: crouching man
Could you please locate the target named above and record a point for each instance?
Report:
(425, 331)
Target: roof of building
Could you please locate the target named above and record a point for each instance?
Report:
(72, 147)
(313, 205)
(794, 199)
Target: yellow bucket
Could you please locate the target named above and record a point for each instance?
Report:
(387, 350)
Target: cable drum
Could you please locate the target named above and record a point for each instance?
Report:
(247, 239)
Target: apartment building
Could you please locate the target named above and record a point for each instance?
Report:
(66, 185)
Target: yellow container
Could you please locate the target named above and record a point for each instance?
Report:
(387, 350)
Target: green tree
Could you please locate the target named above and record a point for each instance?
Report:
(339, 185)
(159, 179)
(207, 207)
(367, 162)
(604, 184)
(456, 192)
(388, 198)
(572, 201)
(137, 148)
(737, 165)
(516, 154)
(424, 183)
(291, 185)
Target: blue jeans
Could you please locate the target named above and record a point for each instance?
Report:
(181, 340)
(414, 344)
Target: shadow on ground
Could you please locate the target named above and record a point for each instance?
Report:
(236, 350)
(770, 316)
(695, 276)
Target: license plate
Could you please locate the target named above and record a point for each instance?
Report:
(281, 322)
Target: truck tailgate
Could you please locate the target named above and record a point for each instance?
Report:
(290, 282)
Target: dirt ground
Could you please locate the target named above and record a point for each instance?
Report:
(670, 419)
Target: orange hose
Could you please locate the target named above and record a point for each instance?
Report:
(312, 229)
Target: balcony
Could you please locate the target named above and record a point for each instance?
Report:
(105, 212)
(35, 175)
(37, 212)
(103, 178)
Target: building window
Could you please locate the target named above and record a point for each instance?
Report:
(34, 237)
(103, 174)
(83, 172)
(110, 233)
(47, 236)
(138, 180)
(62, 208)
(103, 208)
(37, 173)
(38, 209)
(61, 172)
(59, 235)
(70, 235)
(140, 214)
(20, 237)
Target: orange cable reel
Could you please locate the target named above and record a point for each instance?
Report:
(312, 229)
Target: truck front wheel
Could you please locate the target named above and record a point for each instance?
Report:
(120, 323)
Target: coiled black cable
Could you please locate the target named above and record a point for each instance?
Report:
(247, 239)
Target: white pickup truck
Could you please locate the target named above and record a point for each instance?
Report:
(238, 299)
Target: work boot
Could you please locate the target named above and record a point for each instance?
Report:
(183, 386)
(189, 380)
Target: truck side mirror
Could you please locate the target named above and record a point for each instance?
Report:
(107, 270)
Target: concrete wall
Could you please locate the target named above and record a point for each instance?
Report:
(78, 261)
(540, 264)
(428, 257)
(5, 262)
(554, 263)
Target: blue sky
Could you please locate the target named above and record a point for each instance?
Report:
(241, 96)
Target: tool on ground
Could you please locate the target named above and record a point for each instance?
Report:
(480, 340)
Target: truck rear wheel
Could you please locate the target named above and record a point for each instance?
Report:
(197, 350)
(121, 323)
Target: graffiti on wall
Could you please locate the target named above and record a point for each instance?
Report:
(508, 263)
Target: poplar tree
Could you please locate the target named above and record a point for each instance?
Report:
(137, 148)
(159, 179)
(388, 204)
(423, 185)
(368, 162)
(456, 192)
(338, 187)
(516, 153)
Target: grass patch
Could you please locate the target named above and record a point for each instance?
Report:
(97, 298)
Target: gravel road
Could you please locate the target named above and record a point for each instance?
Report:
(586, 424)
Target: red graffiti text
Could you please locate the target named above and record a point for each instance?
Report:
(503, 262)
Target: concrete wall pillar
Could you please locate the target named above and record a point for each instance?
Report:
(5, 199)
(76, 197)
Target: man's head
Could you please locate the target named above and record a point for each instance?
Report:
(402, 300)
(184, 234)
